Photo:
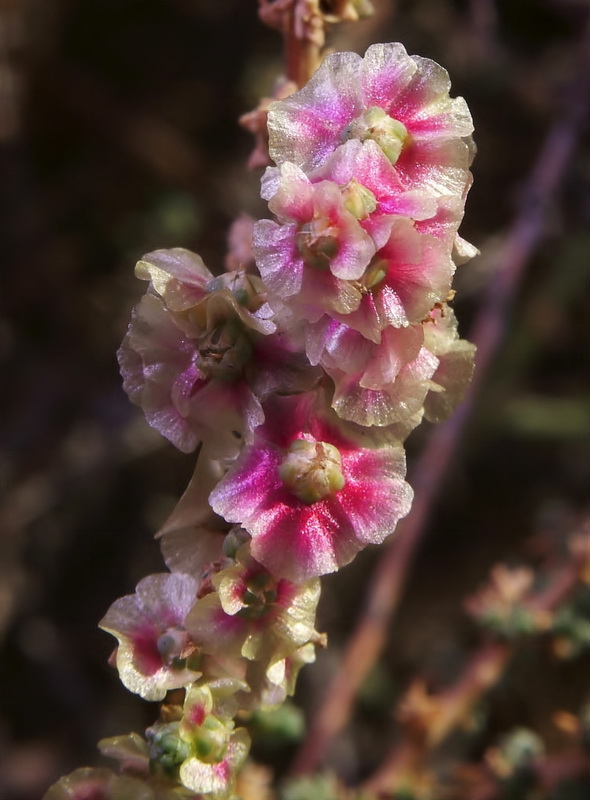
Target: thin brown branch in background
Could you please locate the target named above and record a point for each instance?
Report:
(388, 583)
(428, 720)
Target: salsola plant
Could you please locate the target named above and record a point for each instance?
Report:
(295, 380)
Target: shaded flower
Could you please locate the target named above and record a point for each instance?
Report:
(310, 497)
(154, 653)
(198, 355)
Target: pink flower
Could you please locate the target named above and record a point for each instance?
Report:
(408, 275)
(399, 101)
(310, 497)
(379, 384)
(154, 647)
(217, 749)
(392, 277)
(364, 164)
(318, 248)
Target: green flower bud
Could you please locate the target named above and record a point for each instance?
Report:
(312, 470)
(390, 134)
(167, 750)
(358, 200)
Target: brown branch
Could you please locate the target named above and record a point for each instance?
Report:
(434, 466)
(549, 771)
(303, 26)
(430, 719)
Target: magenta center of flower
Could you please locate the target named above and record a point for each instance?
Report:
(375, 123)
(312, 471)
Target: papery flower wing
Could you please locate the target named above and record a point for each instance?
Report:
(425, 106)
(307, 126)
(384, 74)
(215, 631)
(179, 276)
(377, 496)
(289, 192)
(193, 534)
(296, 624)
(167, 597)
(276, 257)
(396, 403)
(456, 363)
(373, 364)
(438, 166)
(154, 353)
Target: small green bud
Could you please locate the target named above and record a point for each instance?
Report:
(375, 123)
(312, 470)
(358, 200)
(166, 748)
(234, 540)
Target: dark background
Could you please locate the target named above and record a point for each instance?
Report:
(118, 135)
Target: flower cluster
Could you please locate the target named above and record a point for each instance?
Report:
(297, 387)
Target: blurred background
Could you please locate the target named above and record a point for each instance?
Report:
(119, 135)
